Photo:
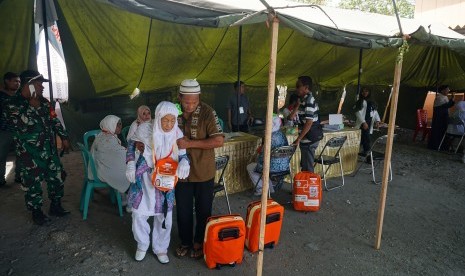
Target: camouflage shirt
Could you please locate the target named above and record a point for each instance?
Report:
(32, 127)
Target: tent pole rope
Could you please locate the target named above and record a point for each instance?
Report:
(214, 53)
(146, 53)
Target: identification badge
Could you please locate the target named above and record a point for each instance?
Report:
(241, 110)
(165, 182)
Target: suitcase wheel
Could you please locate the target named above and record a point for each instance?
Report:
(270, 245)
(218, 267)
(232, 264)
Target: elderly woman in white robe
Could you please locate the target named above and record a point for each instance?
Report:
(109, 155)
(145, 199)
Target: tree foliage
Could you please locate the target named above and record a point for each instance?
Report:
(314, 2)
(404, 7)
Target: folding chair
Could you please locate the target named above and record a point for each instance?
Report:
(453, 135)
(220, 185)
(376, 157)
(422, 124)
(90, 184)
(280, 152)
(88, 135)
(328, 160)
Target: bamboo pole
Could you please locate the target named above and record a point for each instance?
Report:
(390, 138)
(267, 144)
(341, 101)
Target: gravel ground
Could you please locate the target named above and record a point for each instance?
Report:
(423, 233)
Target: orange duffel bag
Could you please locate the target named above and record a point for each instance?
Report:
(307, 193)
(273, 223)
(224, 241)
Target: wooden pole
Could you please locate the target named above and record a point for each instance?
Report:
(267, 144)
(390, 138)
(341, 101)
(387, 105)
(360, 70)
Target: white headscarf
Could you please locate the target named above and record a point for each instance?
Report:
(164, 141)
(144, 134)
(140, 112)
(276, 124)
(108, 124)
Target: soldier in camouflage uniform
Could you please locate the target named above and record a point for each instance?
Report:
(35, 127)
(11, 82)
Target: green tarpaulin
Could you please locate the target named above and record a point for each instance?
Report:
(109, 49)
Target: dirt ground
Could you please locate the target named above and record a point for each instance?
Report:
(423, 233)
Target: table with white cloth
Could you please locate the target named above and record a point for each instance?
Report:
(242, 150)
(349, 152)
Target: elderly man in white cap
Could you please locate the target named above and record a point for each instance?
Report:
(202, 133)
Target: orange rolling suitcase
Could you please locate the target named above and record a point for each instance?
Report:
(307, 193)
(274, 220)
(224, 241)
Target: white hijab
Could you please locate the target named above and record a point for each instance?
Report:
(276, 124)
(164, 141)
(108, 124)
(144, 134)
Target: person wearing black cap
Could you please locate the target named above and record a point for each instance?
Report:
(11, 83)
(34, 126)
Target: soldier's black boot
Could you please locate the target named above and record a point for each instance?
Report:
(57, 210)
(38, 217)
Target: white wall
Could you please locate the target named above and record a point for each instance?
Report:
(448, 12)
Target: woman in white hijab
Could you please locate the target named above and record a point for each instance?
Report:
(278, 139)
(145, 198)
(143, 115)
(109, 155)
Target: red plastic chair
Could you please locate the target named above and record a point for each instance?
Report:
(422, 124)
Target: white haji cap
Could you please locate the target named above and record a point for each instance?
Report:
(189, 86)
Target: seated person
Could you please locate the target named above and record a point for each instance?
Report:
(375, 119)
(109, 155)
(290, 112)
(278, 139)
(455, 125)
(143, 115)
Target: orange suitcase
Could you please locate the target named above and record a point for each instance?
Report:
(224, 241)
(274, 220)
(307, 192)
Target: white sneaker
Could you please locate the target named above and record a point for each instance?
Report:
(163, 258)
(140, 255)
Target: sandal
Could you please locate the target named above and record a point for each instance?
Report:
(182, 250)
(197, 251)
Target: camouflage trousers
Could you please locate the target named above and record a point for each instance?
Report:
(35, 171)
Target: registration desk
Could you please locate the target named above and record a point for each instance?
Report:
(349, 152)
(242, 150)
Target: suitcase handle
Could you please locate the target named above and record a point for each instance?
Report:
(229, 233)
(273, 218)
